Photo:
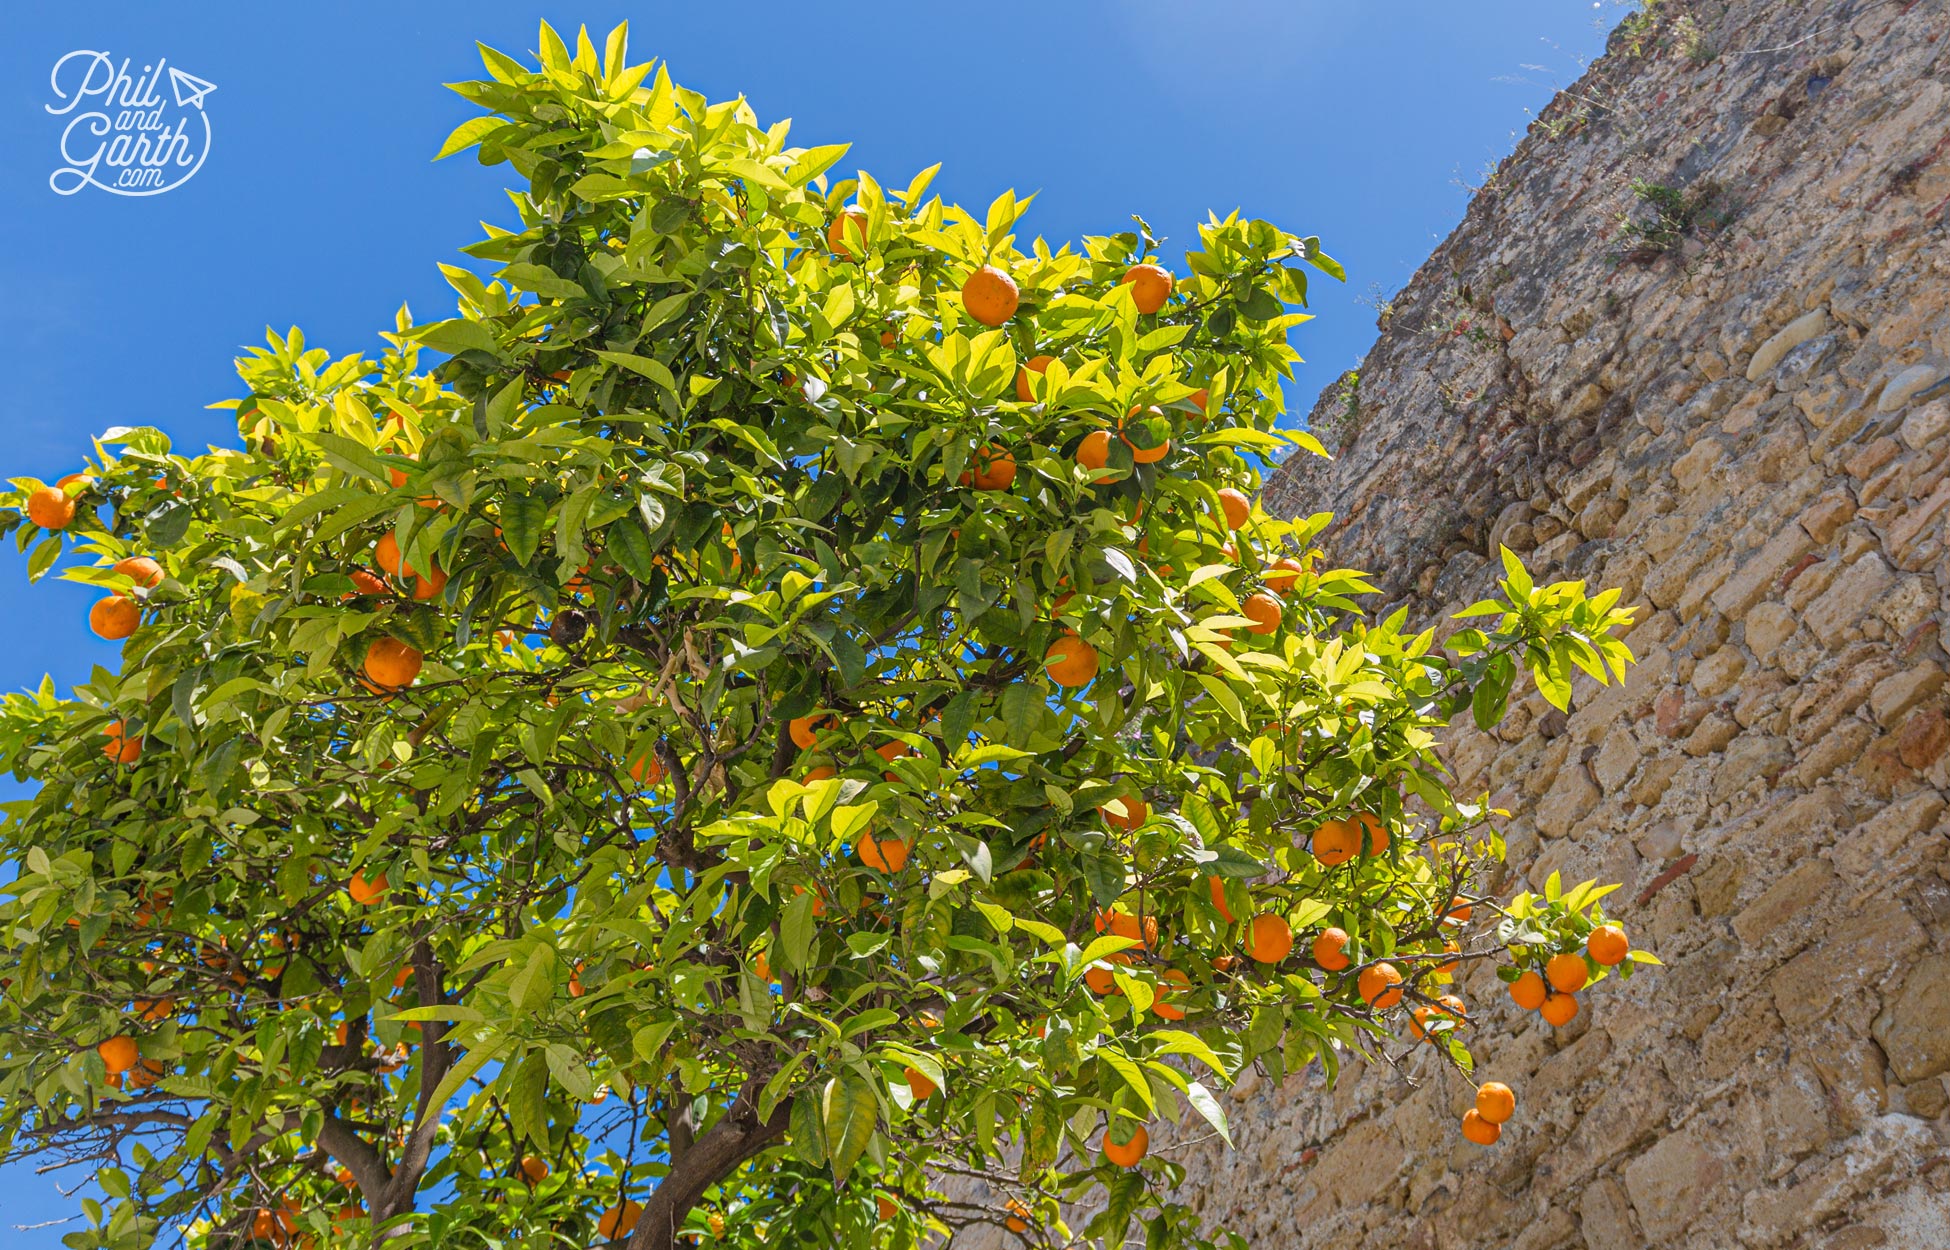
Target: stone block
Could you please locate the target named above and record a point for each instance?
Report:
(1857, 955)
(1605, 1217)
(1670, 1184)
(1848, 598)
(1794, 334)
(1794, 899)
(1761, 571)
(1897, 693)
(1768, 626)
(1908, 384)
(1926, 424)
(1868, 850)
(1914, 1030)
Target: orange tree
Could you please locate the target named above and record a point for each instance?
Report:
(796, 710)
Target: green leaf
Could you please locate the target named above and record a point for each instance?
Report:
(644, 366)
(524, 519)
(848, 1112)
(796, 931)
(1206, 1105)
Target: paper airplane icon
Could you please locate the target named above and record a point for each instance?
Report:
(189, 89)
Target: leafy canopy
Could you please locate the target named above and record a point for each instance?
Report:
(643, 771)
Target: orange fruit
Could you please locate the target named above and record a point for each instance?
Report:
(994, 469)
(1071, 661)
(851, 220)
(366, 892)
(1202, 400)
(391, 664)
(1150, 286)
(889, 856)
(1170, 981)
(364, 583)
(887, 1207)
(121, 748)
(1218, 888)
(50, 508)
(533, 1169)
(1495, 1101)
(1376, 831)
(425, 588)
(386, 555)
(1017, 1221)
(115, 617)
(820, 773)
(647, 770)
(141, 570)
(1560, 1009)
(762, 965)
(1529, 991)
(1336, 842)
(1136, 812)
(1566, 973)
(1100, 980)
(1269, 938)
(891, 751)
(1459, 911)
(887, 338)
(1035, 364)
(154, 1009)
(1265, 611)
(619, 1221)
(990, 296)
(1380, 986)
(1145, 455)
(1123, 924)
(1483, 1132)
(819, 900)
(1127, 1153)
(119, 1053)
(1094, 451)
(1238, 508)
(1607, 946)
(1448, 967)
(919, 1085)
(1330, 949)
(805, 729)
(1287, 571)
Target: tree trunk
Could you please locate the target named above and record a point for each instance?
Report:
(711, 1158)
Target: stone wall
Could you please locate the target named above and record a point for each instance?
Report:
(1743, 420)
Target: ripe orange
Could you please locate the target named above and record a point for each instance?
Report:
(1560, 1009)
(141, 570)
(391, 664)
(50, 508)
(386, 555)
(889, 856)
(1035, 364)
(366, 892)
(364, 583)
(1071, 661)
(1017, 1221)
(1202, 399)
(888, 338)
(1529, 991)
(919, 1085)
(619, 1221)
(119, 1053)
(1238, 508)
(887, 1207)
(1566, 973)
(1380, 986)
(1170, 981)
(1607, 946)
(1495, 1101)
(805, 729)
(154, 1009)
(850, 220)
(120, 747)
(647, 770)
(1145, 455)
(1448, 967)
(891, 751)
(1459, 911)
(1150, 286)
(1288, 572)
(1126, 1154)
(1123, 924)
(115, 617)
(1269, 938)
(990, 296)
(1094, 451)
(1479, 1130)
(820, 773)
(1136, 812)
(1218, 887)
(425, 588)
(994, 468)
(1266, 612)
(1376, 831)
(1336, 842)
(1100, 980)
(1330, 949)
(762, 965)
(533, 1169)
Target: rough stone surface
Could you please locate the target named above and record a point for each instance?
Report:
(1748, 435)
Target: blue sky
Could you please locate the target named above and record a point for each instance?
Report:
(319, 205)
